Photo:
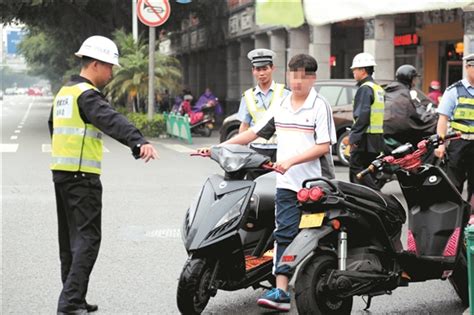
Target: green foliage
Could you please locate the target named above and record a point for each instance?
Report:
(131, 79)
(58, 27)
(153, 128)
(11, 78)
(40, 51)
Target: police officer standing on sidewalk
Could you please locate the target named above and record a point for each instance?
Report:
(79, 115)
(366, 135)
(257, 100)
(457, 108)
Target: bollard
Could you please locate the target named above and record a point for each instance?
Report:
(469, 233)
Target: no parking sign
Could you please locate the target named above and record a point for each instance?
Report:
(153, 12)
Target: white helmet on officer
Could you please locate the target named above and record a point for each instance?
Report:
(99, 48)
(363, 60)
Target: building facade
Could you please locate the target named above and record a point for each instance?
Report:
(214, 54)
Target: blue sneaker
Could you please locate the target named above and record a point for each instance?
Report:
(275, 299)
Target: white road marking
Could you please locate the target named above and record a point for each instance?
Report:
(164, 233)
(20, 126)
(27, 112)
(46, 148)
(178, 148)
(8, 147)
(17, 131)
(13, 137)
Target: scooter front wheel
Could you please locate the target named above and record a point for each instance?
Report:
(310, 295)
(194, 286)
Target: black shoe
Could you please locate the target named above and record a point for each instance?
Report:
(91, 307)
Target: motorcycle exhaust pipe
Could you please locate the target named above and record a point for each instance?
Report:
(342, 250)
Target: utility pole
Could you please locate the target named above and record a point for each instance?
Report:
(151, 74)
(134, 21)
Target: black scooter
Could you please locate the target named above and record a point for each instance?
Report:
(228, 229)
(349, 243)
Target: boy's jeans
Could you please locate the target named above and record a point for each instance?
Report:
(287, 219)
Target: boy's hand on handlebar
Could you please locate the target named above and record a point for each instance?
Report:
(204, 150)
(440, 151)
(283, 166)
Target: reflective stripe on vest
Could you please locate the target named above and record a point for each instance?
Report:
(463, 118)
(76, 146)
(376, 109)
(258, 113)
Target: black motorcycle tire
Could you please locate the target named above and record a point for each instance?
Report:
(193, 293)
(459, 278)
(310, 299)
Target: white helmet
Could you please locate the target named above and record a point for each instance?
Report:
(100, 48)
(363, 60)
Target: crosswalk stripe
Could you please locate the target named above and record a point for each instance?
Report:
(9, 147)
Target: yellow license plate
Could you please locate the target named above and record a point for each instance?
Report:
(311, 220)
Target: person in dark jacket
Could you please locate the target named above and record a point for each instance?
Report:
(79, 115)
(366, 135)
(406, 117)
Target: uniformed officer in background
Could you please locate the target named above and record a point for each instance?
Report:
(79, 115)
(457, 108)
(366, 135)
(257, 100)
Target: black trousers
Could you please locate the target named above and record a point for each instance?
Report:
(359, 161)
(79, 209)
(461, 164)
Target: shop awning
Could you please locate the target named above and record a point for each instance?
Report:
(320, 12)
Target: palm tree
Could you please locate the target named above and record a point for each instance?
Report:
(131, 80)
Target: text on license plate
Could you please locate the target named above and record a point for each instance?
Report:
(311, 220)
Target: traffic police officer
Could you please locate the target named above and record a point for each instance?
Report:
(457, 108)
(79, 115)
(256, 101)
(366, 135)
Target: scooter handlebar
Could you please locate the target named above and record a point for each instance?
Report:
(203, 154)
(366, 171)
(271, 166)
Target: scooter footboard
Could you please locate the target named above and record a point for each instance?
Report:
(303, 245)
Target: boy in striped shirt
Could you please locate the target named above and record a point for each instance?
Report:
(305, 129)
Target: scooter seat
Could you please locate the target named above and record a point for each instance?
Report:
(389, 207)
(265, 190)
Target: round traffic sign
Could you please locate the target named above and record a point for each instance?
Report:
(153, 12)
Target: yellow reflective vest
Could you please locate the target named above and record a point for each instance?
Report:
(376, 109)
(76, 145)
(463, 118)
(258, 113)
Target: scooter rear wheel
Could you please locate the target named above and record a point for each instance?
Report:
(193, 287)
(459, 279)
(309, 292)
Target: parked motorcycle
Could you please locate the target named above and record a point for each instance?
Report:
(228, 230)
(202, 122)
(350, 244)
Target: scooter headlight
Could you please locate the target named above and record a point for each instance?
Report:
(233, 213)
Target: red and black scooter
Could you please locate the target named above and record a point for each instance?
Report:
(349, 243)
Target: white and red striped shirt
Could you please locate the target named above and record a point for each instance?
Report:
(297, 131)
